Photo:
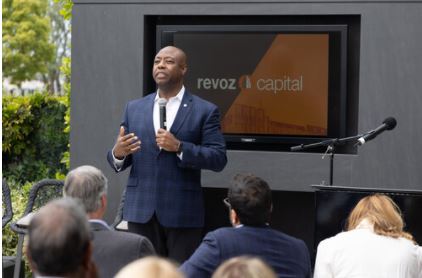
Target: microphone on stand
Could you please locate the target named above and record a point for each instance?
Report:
(388, 124)
(163, 118)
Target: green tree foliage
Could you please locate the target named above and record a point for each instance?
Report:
(33, 137)
(34, 144)
(60, 37)
(66, 8)
(27, 49)
(65, 68)
(66, 12)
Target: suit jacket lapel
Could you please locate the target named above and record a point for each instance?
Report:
(148, 120)
(149, 116)
(184, 110)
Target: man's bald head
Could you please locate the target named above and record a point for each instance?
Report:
(177, 52)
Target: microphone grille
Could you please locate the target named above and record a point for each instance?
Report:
(390, 122)
(162, 102)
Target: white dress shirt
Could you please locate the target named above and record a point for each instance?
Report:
(172, 107)
(360, 253)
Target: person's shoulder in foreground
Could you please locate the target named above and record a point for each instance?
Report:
(150, 267)
(244, 266)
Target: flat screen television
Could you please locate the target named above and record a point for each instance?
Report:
(275, 85)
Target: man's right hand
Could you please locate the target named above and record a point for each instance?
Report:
(126, 144)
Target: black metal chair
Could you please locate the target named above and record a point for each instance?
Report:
(40, 194)
(7, 204)
(7, 261)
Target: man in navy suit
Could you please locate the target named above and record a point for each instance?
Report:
(250, 205)
(164, 198)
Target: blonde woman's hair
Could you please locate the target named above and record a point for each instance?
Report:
(150, 267)
(381, 211)
(244, 267)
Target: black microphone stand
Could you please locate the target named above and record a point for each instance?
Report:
(331, 146)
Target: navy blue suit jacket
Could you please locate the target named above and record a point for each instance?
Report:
(159, 181)
(288, 256)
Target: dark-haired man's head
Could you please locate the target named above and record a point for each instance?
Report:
(59, 240)
(250, 199)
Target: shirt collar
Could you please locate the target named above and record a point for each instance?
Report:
(241, 225)
(365, 224)
(179, 95)
(100, 222)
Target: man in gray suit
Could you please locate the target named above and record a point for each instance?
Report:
(111, 249)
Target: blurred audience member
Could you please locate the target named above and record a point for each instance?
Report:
(250, 206)
(244, 267)
(59, 241)
(112, 250)
(374, 245)
(150, 267)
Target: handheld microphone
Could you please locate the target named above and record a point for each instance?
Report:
(163, 118)
(388, 124)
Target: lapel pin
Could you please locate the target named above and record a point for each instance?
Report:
(185, 105)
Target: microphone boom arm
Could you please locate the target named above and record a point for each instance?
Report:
(331, 144)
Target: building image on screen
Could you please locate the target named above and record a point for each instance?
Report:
(283, 90)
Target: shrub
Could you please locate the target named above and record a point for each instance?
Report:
(33, 137)
(34, 143)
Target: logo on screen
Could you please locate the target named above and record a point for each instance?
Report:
(284, 84)
(216, 83)
(244, 82)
